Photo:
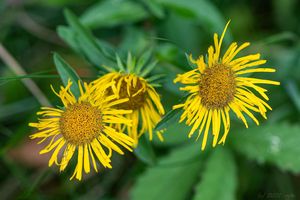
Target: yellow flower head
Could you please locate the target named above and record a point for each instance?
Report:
(143, 98)
(83, 125)
(217, 86)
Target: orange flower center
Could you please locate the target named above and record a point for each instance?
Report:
(217, 86)
(81, 123)
(136, 95)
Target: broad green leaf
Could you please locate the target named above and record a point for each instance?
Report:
(175, 134)
(68, 35)
(277, 144)
(73, 40)
(172, 178)
(219, 179)
(175, 29)
(66, 73)
(200, 11)
(113, 12)
(144, 151)
(88, 44)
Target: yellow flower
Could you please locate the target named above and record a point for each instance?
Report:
(83, 125)
(217, 85)
(143, 98)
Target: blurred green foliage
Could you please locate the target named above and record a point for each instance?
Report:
(255, 163)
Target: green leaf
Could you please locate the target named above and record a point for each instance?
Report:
(169, 117)
(148, 68)
(113, 12)
(134, 40)
(32, 76)
(96, 54)
(219, 179)
(143, 60)
(35, 184)
(155, 78)
(74, 41)
(154, 8)
(294, 93)
(21, 132)
(68, 35)
(108, 50)
(277, 144)
(172, 178)
(144, 151)
(175, 29)
(130, 62)
(175, 134)
(66, 72)
(280, 37)
(202, 12)
(120, 63)
(17, 171)
(58, 3)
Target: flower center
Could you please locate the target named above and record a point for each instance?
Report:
(217, 86)
(137, 95)
(80, 123)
